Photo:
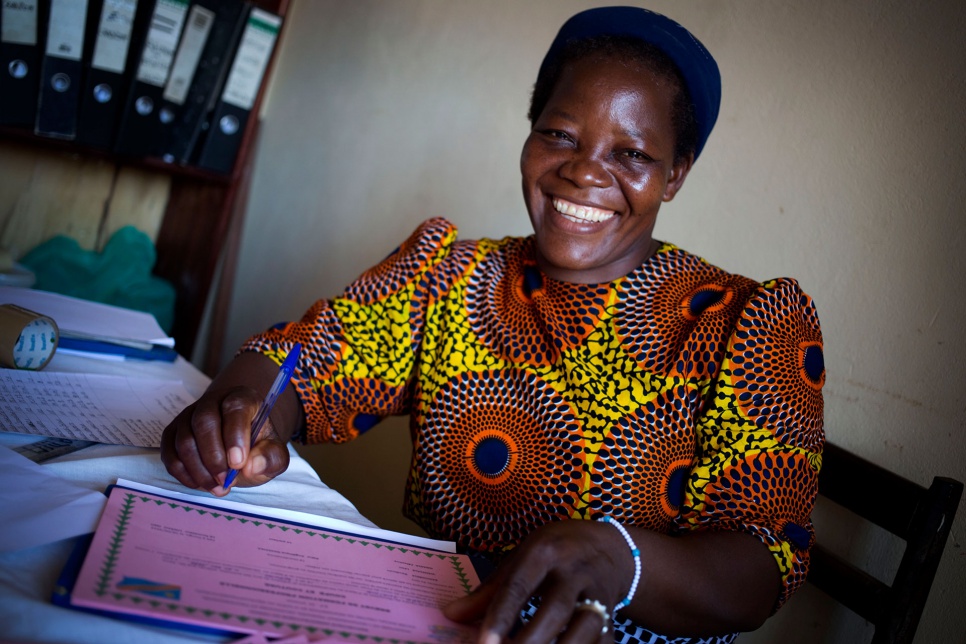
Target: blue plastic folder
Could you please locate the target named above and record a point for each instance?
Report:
(156, 352)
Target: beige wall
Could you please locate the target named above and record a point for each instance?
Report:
(838, 159)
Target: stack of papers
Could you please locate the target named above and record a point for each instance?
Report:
(94, 329)
(104, 408)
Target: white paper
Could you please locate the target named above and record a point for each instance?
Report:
(38, 508)
(19, 22)
(250, 62)
(161, 42)
(192, 43)
(114, 35)
(93, 320)
(294, 516)
(65, 29)
(101, 408)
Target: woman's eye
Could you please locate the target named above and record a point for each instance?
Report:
(557, 134)
(636, 155)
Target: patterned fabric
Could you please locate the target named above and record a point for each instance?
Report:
(627, 632)
(677, 398)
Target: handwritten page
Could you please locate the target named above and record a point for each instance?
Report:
(154, 556)
(94, 407)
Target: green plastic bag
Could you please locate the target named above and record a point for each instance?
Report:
(118, 275)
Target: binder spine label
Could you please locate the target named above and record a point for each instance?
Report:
(19, 22)
(189, 53)
(114, 35)
(161, 42)
(250, 62)
(64, 39)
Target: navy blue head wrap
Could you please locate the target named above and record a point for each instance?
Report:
(697, 67)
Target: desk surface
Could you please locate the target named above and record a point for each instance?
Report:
(27, 576)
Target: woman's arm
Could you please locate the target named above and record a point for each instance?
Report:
(349, 343)
(213, 435)
(702, 583)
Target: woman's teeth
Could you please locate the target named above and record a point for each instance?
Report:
(581, 214)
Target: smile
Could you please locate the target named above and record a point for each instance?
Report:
(581, 214)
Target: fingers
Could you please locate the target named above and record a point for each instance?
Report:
(590, 622)
(212, 436)
(515, 583)
(554, 615)
(227, 444)
(472, 607)
(560, 617)
(267, 459)
(560, 565)
(172, 445)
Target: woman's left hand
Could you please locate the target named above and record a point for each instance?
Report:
(563, 563)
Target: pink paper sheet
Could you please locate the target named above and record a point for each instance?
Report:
(186, 563)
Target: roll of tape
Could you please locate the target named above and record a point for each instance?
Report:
(27, 339)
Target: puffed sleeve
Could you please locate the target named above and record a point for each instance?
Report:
(760, 433)
(358, 350)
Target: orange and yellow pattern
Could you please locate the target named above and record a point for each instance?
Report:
(677, 398)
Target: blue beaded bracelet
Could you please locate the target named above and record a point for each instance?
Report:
(636, 553)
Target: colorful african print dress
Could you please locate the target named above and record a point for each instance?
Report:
(677, 398)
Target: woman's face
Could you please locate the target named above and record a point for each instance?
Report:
(596, 167)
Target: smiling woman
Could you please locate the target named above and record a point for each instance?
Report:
(627, 432)
(597, 166)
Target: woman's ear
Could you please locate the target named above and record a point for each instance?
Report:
(678, 174)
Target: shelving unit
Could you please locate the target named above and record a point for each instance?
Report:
(49, 186)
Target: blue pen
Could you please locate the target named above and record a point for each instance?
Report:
(284, 375)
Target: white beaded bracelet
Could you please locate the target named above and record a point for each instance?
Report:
(636, 553)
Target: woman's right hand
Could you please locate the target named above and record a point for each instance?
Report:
(213, 435)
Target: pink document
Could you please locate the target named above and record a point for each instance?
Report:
(187, 563)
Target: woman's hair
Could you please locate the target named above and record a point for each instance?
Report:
(631, 50)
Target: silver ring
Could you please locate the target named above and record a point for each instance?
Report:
(595, 606)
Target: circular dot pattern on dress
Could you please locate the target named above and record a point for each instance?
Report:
(707, 297)
(772, 383)
(654, 446)
(492, 440)
(321, 352)
(531, 281)
(491, 455)
(800, 537)
(813, 364)
(353, 405)
(523, 316)
(393, 273)
(499, 307)
(615, 361)
(757, 484)
(675, 314)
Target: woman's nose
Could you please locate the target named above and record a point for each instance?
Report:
(585, 170)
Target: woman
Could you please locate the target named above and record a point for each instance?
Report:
(630, 432)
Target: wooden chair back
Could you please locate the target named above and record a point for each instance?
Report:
(920, 516)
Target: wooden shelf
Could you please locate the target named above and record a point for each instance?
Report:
(201, 206)
(26, 137)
